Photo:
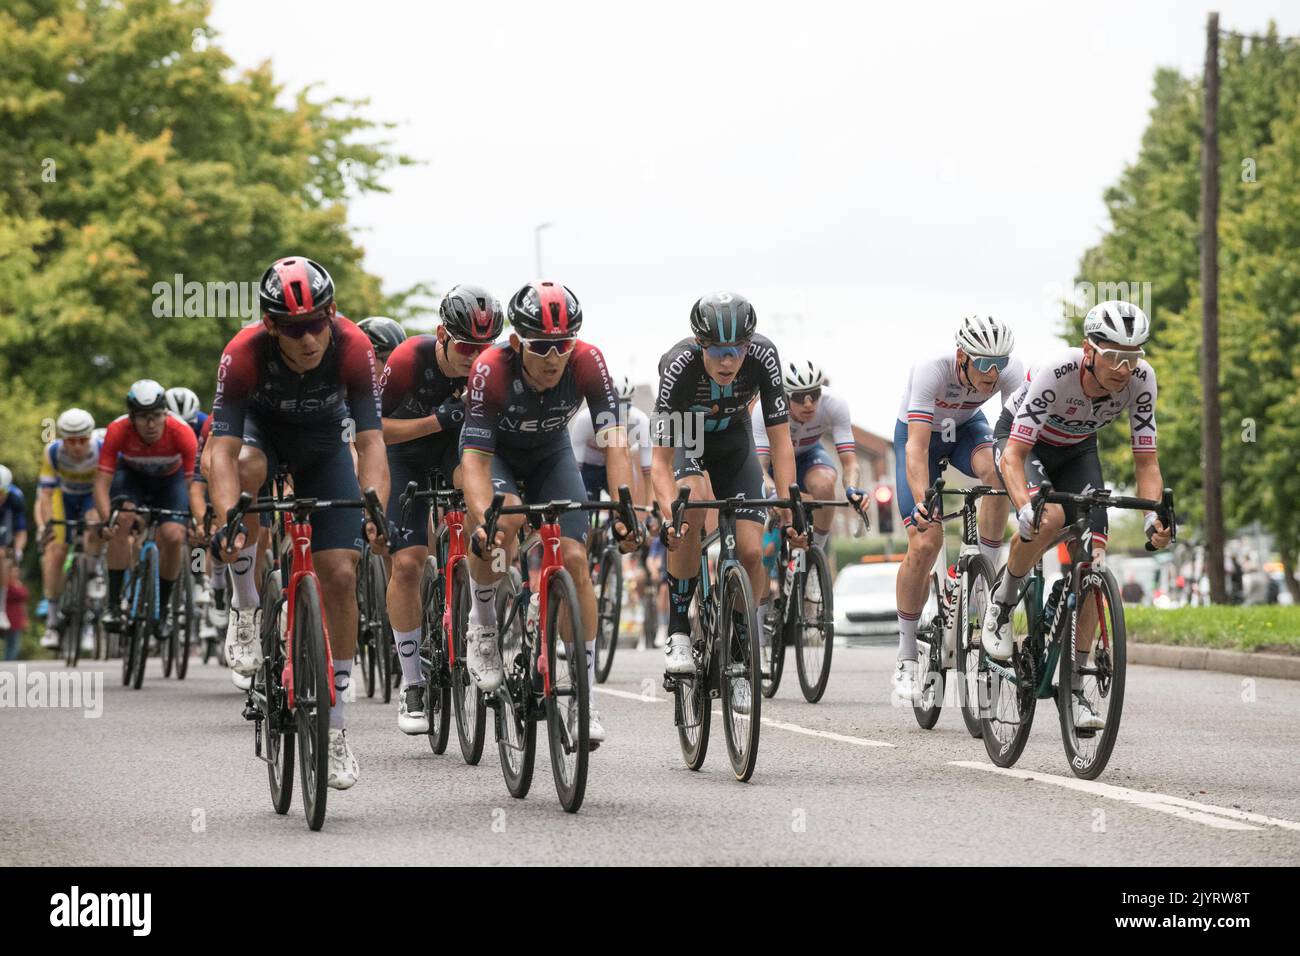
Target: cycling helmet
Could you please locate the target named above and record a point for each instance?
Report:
(984, 336)
(723, 318)
(803, 377)
(294, 286)
(184, 404)
(626, 390)
(75, 423)
(6, 479)
(384, 333)
(472, 314)
(1120, 322)
(98, 435)
(545, 310)
(146, 395)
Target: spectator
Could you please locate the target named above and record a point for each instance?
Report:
(1256, 585)
(16, 606)
(1237, 576)
(1132, 592)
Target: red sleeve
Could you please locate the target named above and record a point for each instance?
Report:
(186, 442)
(112, 445)
(595, 384)
(357, 372)
(236, 380)
(484, 393)
(399, 375)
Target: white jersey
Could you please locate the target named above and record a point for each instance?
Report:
(1051, 407)
(832, 412)
(582, 432)
(936, 394)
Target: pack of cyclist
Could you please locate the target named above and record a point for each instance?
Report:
(339, 408)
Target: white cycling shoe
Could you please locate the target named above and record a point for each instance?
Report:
(243, 643)
(412, 717)
(677, 655)
(50, 639)
(903, 684)
(1085, 718)
(241, 681)
(343, 771)
(595, 729)
(996, 638)
(483, 660)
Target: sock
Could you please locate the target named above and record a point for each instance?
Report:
(764, 608)
(680, 592)
(218, 579)
(819, 540)
(408, 652)
(342, 680)
(164, 592)
(115, 587)
(242, 573)
(990, 549)
(591, 667)
(1008, 592)
(907, 635)
(1076, 675)
(52, 604)
(484, 610)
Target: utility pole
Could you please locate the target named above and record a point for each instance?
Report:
(1211, 417)
(537, 244)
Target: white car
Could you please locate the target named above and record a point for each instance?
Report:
(865, 609)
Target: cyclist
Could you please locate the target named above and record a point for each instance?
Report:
(521, 396)
(385, 335)
(422, 408)
(148, 457)
(702, 426)
(296, 389)
(812, 412)
(184, 404)
(65, 492)
(590, 451)
(1048, 431)
(939, 417)
(13, 535)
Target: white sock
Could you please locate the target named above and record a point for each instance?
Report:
(218, 578)
(484, 610)
(764, 608)
(907, 635)
(591, 667)
(819, 540)
(408, 652)
(990, 550)
(1008, 592)
(245, 585)
(1080, 662)
(342, 679)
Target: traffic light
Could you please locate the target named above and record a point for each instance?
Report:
(884, 509)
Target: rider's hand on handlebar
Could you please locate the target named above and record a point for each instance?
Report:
(1157, 533)
(1025, 521)
(921, 519)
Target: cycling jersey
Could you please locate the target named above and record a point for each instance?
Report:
(1051, 406)
(204, 433)
(171, 454)
(200, 421)
(588, 449)
(414, 386)
(686, 387)
(74, 474)
(253, 377)
(832, 412)
(936, 390)
(503, 412)
(13, 516)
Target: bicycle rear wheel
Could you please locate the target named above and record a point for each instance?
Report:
(1101, 682)
(190, 633)
(144, 623)
(569, 705)
(471, 714)
(929, 661)
(311, 694)
(775, 629)
(516, 733)
(72, 611)
(277, 723)
(433, 657)
(815, 628)
(609, 610)
(381, 631)
(971, 671)
(168, 647)
(739, 671)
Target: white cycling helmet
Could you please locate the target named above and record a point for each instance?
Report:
(6, 479)
(985, 336)
(98, 435)
(75, 423)
(183, 403)
(1120, 322)
(626, 390)
(803, 376)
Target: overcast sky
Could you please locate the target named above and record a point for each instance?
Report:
(864, 174)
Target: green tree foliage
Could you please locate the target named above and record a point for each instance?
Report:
(1154, 237)
(132, 153)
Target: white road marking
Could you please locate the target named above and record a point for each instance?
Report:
(628, 695)
(1224, 818)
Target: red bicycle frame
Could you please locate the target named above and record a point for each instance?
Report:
(302, 567)
(455, 554)
(551, 563)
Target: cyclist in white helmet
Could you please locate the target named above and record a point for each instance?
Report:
(940, 417)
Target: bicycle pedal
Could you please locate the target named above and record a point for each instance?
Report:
(251, 712)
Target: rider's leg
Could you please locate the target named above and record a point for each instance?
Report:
(912, 584)
(820, 483)
(253, 467)
(993, 509)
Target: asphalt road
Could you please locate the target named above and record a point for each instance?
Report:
(1205, 772)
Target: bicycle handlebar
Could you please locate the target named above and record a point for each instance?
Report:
(1164, 508)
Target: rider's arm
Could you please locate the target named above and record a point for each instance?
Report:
(44, 506)
(661, 476)
(845, 444)
(372, 463)
(476, 477)
(1012, 466)
(107, 466)
(918, 459)
(224, 466)
(783, 469)
(762, 444)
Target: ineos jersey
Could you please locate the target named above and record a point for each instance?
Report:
(1052, 408)
(504, 413)
(587, 448)
(253, 377)
(413, 386)
(686, 387)
(832, 412)
(937, 393)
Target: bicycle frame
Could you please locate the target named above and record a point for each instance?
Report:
(456, 553)
(300, 534)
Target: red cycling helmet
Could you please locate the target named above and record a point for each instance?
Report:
(295, 285)
(545, 310)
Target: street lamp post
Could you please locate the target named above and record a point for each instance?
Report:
(537, 244)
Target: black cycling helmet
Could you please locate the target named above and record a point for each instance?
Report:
(384, 333)
(723, 318)
(545, 310)
(472, 314)
(294, 286)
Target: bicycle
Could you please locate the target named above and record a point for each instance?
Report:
(800, 616)
(605, 565)
(541, 684)
(74, 603)
(725, 646)
(948, 634)
(292, 691)
(375, 648)
(185, 622)
(140, 588)
(1014, 688)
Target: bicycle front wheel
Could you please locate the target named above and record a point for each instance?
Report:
(929, 661)
(609, 610)
(972, 674)
(516, 734)
(433, 657)
(189, 635)
(815, 628)
(471, 715)
(311, 700)
(72, 608)
(569, 705)
(1096, 689)
(1012, 691)
(739, 671)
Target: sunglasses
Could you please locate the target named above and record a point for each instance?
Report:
(310, 326)
(467, 349)
(986, 363)
(727, 351)
(547, 346)
(798, 398)
(1122, 358)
